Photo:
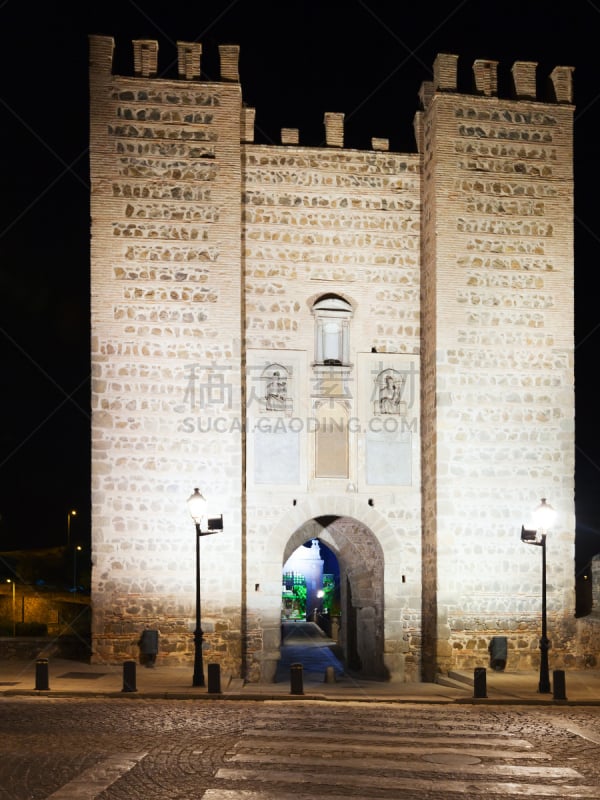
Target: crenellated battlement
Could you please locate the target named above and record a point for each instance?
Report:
(145, 58)
(484, 82)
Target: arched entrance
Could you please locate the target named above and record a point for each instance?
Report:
(361, 567)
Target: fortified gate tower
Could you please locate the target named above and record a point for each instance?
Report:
(369, 349)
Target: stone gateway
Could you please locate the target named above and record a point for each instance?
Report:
(369, 350)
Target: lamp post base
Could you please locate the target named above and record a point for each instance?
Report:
(544, 684)
(198, 677)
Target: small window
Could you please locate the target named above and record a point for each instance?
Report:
(332, 328)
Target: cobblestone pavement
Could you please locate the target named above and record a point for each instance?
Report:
(130, 748)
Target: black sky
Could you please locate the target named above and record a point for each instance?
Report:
(298, 60)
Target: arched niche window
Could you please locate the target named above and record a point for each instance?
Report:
(332, 330)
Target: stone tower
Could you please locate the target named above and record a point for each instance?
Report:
(365, 348)
(497, 349)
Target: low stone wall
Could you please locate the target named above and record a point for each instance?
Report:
(30, 648)
(66, 615)
(26, 648)
(62, 613)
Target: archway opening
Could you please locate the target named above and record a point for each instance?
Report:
(332, 577)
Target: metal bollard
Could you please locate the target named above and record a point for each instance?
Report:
(129, 676)
(296, 681)
(214, 679)
(558, 682)
(41, 675)
(479, 682)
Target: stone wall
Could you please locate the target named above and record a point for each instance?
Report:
(335, 220)
(498, 280)
(320, 221)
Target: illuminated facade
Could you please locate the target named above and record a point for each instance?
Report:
(366, 348)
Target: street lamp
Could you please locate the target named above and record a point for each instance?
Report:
(77, 549)
(197, 508)
(71, 513)
(14, 624)
(543, 517)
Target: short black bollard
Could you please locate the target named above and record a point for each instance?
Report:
(41, 675)
(479, 682)
(296, 682)
(214, 679)
(558, 682)
(129, 676)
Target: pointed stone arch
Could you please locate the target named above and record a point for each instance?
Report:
(356, 533)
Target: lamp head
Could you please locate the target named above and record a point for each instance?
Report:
(544, 516)
(196, 504)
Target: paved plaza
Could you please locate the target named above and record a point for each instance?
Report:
(83, 748)
(79, 731)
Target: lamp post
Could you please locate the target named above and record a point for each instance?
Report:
(77, 549)
(71, 513)
(14, 624)
(543, 517)
(197, 508)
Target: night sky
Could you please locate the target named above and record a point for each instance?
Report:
(298, 60)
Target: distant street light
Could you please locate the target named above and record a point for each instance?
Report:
(543, 517)
(197, 508)
(72, 513)
(14, 617)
